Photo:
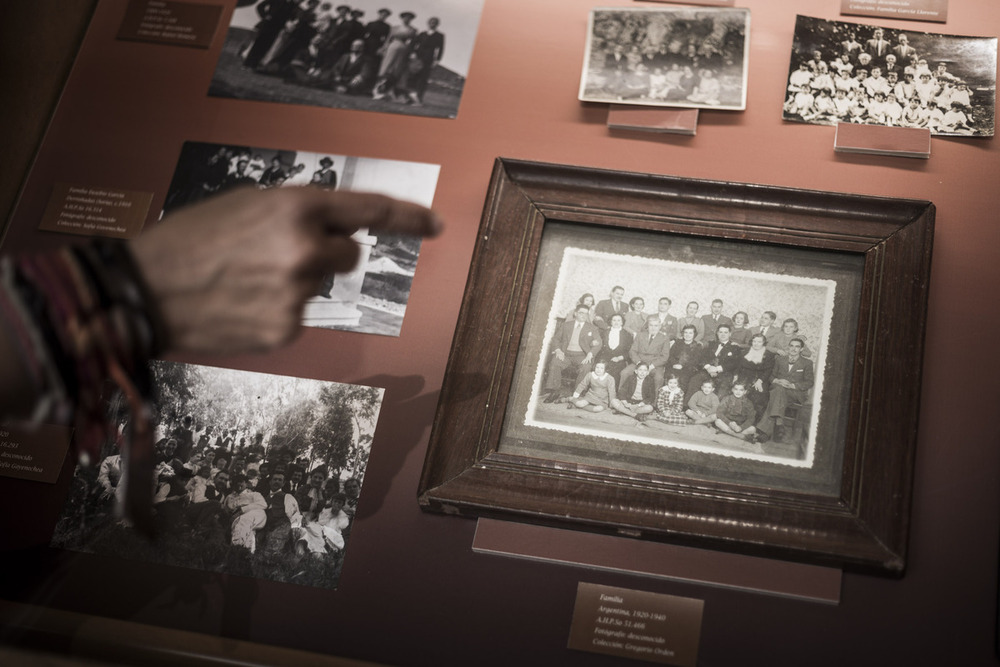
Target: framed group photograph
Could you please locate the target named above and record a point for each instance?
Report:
(867, 74)
(716, 364)
(667, 57)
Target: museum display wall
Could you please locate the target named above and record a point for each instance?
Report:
(412, 590)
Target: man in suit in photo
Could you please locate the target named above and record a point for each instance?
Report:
(718, 362)
(608, 307)
(354, 73)
(668, 323)
(651, 347)
(792, 379)
(576, 344)
(714, 319)
(767, 325)
(878, 46)
(903, 51)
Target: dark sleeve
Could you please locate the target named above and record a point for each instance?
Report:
(750, 414)
(767, 367)
(807, 377)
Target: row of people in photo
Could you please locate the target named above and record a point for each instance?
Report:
(317, 44)
(668, 346)
(235, 492)
(636, 319)
(878, 49)
(667, 78)
(229, 167)
(913, 97)
(747, 399)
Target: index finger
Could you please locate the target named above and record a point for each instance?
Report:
(344, 212)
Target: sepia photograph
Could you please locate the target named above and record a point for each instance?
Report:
(410, 58)
(371, 298)
(859, 73)
(659, 352)
(677, 57)
(255, 475)
(676, 354)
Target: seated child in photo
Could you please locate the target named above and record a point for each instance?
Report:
(596, 390)
(703, 404)
(670, 403)
(637, 394)
(736, 414)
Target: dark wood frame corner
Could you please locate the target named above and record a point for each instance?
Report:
(864, 527)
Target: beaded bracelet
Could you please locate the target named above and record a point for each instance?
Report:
(80, 317)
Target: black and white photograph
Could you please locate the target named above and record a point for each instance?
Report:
(371, 298)
(860, 73)
(256, 475)
(658, 353)
(410, 57)
(682, 355)
(676, 57)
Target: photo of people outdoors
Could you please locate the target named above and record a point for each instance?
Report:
(853, 73)
(256, 475)
(695, 58)
(410, 58)
(685, 355)
(370, 299)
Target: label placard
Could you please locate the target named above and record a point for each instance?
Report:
(33, 452)
(635, 624)
(94, 211)
(913, 10)
(705, 3)
(170, 22)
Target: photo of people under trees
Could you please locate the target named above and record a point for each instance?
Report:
(854, 73)
(256, 475)
(694, 58)
(409, 58)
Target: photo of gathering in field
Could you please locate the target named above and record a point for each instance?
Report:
(256, 475)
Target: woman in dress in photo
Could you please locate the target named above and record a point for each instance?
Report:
(708, 90)
(741, 332)
(617, 343)
(396, 56)
(325, 533)
(587, 300)
(635, 318)
(755, 370)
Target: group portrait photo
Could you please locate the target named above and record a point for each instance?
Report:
(371, 298)
(678, 57)
(683, 355)
(410, 57)
(255, 475)
(867, 74)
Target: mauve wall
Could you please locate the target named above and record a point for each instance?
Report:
(412, 591)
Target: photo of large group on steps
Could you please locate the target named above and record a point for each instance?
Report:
(867, 74)
(257, 475)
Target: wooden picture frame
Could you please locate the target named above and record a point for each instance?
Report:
(841, 498)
